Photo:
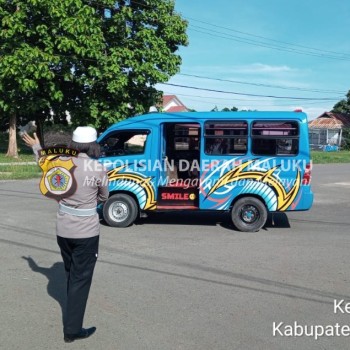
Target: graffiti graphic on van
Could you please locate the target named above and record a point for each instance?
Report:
(265, 184)
(135, 183)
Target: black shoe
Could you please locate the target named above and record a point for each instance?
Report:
(83, 334)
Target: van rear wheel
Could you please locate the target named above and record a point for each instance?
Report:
(120, 210)
(249, 214)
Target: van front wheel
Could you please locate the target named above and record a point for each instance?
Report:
(249, 214)
(120, 210)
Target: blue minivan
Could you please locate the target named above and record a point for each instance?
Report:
(244, 163)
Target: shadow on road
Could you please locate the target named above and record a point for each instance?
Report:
(277, 220)
(56, 286)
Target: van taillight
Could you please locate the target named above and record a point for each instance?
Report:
(307, 175)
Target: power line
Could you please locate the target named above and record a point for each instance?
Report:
(321, 52)
(240, 82)
(234, 100)
(260, 84)
(231, 37)
(269, 39)
(255, 95)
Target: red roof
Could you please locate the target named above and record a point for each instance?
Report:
(329, 120)
(167, 99)
(171, 103)
(177, 109)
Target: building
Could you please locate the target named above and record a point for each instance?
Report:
(327, 129)
(171, 103)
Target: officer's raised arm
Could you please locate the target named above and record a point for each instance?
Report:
(32, 142)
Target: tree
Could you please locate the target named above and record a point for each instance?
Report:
(97, 60)
(346, 139)
(233, 109)
(343, 106)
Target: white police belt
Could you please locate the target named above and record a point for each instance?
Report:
(76, 212)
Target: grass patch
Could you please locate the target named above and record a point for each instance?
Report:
(320, 157)
(11, 171)
(21, 158)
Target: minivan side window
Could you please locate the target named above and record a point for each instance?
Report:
(275, 137)
(225, 137)
(126, 142)
(186, 138)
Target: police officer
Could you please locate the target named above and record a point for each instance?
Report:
(78, 227)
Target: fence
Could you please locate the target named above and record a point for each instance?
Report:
(325, 139)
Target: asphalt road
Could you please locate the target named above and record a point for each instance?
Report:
(182, 281)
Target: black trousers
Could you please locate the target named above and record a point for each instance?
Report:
(79, 257)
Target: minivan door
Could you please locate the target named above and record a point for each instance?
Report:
(179, 179)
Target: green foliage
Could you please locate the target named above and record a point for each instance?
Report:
(343, 106)
(98, 60)
(346, 139)
(226, 109)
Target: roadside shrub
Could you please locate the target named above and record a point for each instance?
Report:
(346, 139)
